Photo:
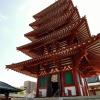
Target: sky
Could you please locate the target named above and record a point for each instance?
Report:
(15, 17)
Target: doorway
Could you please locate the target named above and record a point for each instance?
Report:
(55, 89)
(55, 85)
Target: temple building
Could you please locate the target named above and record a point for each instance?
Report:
(7, 89)
(63, 52)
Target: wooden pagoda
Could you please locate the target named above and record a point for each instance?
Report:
(63, 52)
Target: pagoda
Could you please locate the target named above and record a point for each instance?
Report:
(63, 52)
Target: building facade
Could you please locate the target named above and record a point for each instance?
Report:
(63, 52)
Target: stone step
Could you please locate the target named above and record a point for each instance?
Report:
(51, 98)
(71, 98)
(62, 98)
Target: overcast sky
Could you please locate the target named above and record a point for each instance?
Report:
(15, 16)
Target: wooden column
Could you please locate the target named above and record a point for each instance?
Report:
(37, 90)
(83, 85)
(60, 76)
(75, 72)
(62, 83)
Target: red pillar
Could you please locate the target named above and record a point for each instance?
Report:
(37, 90)
(62, 83)
(75, 73)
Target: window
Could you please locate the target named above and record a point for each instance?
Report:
(68, 78)
(42, 82)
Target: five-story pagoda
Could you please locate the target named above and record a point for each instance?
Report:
(63, 52)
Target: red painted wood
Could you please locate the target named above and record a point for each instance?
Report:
(72, 29)
(62, 83)
(37, 91)
(75, 72)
